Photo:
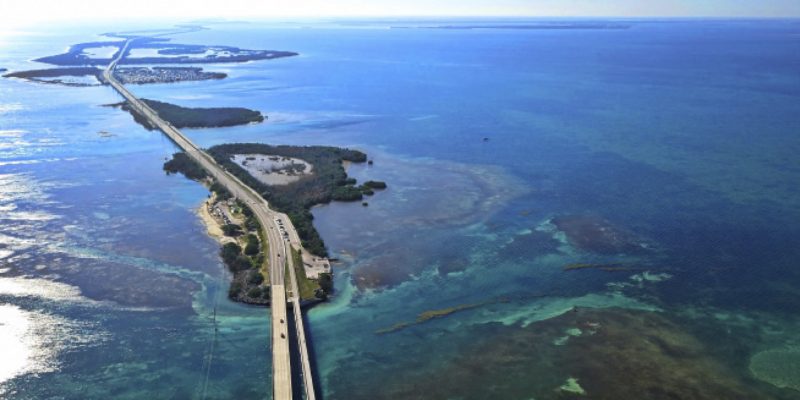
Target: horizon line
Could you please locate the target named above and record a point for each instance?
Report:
(432, 16)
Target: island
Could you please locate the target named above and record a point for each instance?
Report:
(185, 117)
(328, 181)
(78, 76)
(3, 69)
(145, 75)
(152, 50)
(78, 66)
(293, 179)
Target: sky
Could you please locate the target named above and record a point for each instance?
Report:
(20, 13)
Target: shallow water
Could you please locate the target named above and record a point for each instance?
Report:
(679, 136)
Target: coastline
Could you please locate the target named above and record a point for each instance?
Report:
(214, 230)
(213, 227)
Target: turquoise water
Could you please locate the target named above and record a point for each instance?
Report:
(680, 137)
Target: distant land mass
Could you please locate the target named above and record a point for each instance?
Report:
(136, 75)
(185, 117)
(40, 75)
(543, 26)
(165, 53)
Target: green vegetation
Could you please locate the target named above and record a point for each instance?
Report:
(328, 182)
(232, 255)
(229, 252)
(375, 185)
(41, 75)
(254, 292)
(184, 117)
(250, 222)
(246, 268)
(326, 283)
(347, 193)
(369, 188)
(252, 247)
(222, 193)
(255, 277)
(232, 230)
(309, 289)
(247, 284)
(234, 290)
(182, 163)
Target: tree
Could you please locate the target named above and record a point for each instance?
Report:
(222, 193)
(233, 291)
(182, 163)
(229, 252)
(375, 184)
(231, 230)
(241, 263)
(326, 282)
(254, 292)
(251, 223)
(252, 247)
(255, 277)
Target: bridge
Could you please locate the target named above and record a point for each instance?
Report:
(280, 258)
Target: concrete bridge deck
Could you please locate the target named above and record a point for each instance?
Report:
(279, 260)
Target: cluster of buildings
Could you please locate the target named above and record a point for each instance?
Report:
(143, 75)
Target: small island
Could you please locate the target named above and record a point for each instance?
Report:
(293, 179)
(145, 75)
(93, 76)
(3, 69)
(79, 76)
(327, 182)
(185, 117)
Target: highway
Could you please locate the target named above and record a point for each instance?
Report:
(279, 256)
(298, 320)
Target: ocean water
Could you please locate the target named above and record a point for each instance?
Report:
(665, 152)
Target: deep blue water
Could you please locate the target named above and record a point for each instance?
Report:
(681, 134)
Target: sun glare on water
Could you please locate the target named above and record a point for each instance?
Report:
(18, 345)
(32, 340)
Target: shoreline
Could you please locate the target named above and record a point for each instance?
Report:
(213, 227)
(214, 231)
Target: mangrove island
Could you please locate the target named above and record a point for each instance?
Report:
(185, 117)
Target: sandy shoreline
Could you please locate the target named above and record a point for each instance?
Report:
(213, 227)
